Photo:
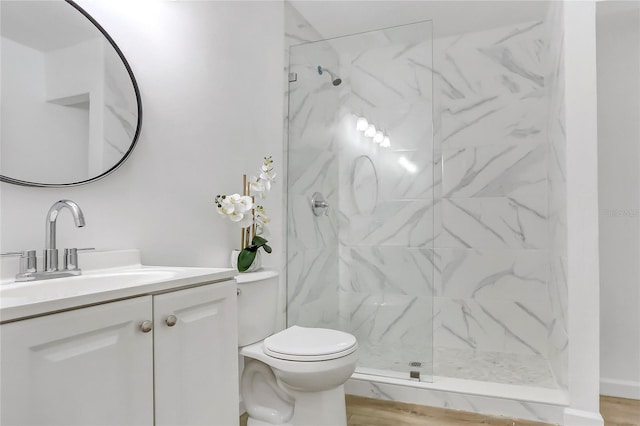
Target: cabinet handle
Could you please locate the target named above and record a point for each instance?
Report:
(171, 320)
(146, 326)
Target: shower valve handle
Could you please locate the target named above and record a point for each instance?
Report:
(319, 205)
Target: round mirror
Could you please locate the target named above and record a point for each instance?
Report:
(71, 110)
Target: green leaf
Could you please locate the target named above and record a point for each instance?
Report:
(258, 241)
(267, 248)
(245, 259)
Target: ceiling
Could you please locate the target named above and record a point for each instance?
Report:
(335, 18)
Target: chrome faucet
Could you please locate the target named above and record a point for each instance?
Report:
(50, 250)
(28, 261)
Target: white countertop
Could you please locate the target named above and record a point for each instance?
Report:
(106, 276)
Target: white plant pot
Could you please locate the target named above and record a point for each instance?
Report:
(256, 265)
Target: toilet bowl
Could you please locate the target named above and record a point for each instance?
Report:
(294, 377)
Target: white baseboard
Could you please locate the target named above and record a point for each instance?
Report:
(620, 388)
(574, 417)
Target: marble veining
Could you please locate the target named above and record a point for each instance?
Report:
(492, 223)
(495, 171)
(491, 87)
(518, 275)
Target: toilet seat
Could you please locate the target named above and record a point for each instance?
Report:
(309, 344)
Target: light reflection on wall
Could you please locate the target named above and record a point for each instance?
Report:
(369, 130)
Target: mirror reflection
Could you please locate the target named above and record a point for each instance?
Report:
(70, 105)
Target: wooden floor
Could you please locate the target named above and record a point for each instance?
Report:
(374, 412)
(619, 411)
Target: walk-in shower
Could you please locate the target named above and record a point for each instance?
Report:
(443, 250)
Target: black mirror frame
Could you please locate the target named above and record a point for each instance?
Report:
(138, 125)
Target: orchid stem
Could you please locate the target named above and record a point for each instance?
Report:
(243, 244)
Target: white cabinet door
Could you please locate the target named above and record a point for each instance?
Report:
(90, 366)
(196, 360)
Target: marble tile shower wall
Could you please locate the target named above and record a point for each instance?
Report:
(491, 248)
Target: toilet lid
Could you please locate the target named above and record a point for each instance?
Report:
(311, 344)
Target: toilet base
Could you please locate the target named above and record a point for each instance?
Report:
(326, 408)
(254, 422)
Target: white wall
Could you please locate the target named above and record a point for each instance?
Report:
(618, 38)
(210, 77)
(582, 213)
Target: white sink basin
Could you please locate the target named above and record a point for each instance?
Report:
(108, 276)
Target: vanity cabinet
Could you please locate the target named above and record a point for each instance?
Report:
(82, 367)
(115, 363)
(196, 358)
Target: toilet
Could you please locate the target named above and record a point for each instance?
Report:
(294, 377)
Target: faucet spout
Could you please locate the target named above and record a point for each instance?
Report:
(52, 216)
(51, 253)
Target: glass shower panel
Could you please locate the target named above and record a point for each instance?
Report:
(312, 241)
(361, 134)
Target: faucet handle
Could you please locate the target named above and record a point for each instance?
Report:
(28, 261)
(70, 258)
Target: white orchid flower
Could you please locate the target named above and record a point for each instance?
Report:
(226, 207)
(234, 198)
(267, 176)
(236, 216)
(243, 220)
(267, 173)
(261, 220)
(262, 230)
(244, 204)
(257, 186)
(246, 221)
(266, 183)
(241, 209)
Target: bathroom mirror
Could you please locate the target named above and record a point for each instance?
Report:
(71, 110)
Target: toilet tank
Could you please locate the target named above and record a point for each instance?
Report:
(257, 305)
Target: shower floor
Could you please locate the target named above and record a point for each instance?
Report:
(495, 367)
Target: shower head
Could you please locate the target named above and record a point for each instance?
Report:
(335, 80)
